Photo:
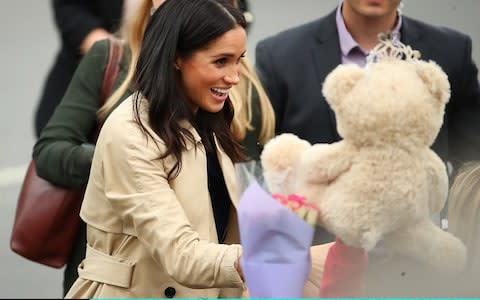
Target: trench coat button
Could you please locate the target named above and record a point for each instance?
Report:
(170, 292)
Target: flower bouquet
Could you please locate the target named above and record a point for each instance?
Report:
(276, 233)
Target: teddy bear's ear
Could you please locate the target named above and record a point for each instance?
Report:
(340, 82)
(435, 79)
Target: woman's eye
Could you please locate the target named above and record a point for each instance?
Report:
(221, 62)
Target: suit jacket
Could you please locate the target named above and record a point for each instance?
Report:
(293, 65)
(74, 20)
(149, 236)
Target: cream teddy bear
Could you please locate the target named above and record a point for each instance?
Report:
(382, 182)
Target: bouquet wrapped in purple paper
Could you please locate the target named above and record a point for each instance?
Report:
(276, 240)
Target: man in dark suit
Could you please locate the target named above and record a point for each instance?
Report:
(80, 23)
(293, 65)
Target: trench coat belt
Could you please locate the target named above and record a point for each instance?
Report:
(100, 267)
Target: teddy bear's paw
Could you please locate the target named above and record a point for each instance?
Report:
(283, 151)
(353, 237)
(280, 158)
(441, 249)
(428, 243)
(451, 256)
(369, 240)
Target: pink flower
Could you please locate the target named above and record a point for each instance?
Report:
(296, 203)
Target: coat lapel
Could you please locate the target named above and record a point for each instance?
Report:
(326, 56)
(410, 35)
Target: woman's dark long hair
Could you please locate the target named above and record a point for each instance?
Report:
(177, 29)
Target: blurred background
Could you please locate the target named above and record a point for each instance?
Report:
(28, 45)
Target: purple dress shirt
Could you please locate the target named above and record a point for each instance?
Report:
(352, 53)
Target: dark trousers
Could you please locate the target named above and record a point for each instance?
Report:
(78, 254)
(54, 88)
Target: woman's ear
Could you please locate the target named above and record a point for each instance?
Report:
(178, 63)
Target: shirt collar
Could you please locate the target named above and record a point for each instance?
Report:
(347, 42)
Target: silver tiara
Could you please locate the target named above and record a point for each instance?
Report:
(390, 47)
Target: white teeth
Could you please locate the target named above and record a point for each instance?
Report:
(221, 91)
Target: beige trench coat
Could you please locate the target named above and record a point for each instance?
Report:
(148, 236)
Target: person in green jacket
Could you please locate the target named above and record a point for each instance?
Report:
(64, 151)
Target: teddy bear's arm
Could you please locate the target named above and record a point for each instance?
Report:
(323, 163)
(438, 182)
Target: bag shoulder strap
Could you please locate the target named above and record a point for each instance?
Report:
(110, 75)
(111, 70)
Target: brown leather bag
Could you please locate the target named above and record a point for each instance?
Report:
(47, 216)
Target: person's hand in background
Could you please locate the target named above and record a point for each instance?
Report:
(94, 36)
(318, 254)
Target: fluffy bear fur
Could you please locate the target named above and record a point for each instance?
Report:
(382, 181)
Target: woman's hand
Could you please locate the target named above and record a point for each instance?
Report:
(238, 267)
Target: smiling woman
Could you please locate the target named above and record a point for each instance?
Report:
(161, 197)
(209, 74)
